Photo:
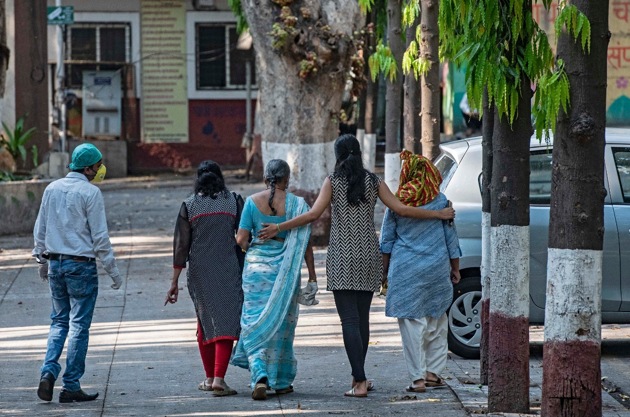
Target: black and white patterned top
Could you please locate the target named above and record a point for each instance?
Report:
(354, 259)
(205, 237)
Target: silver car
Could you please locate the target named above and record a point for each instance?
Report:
(460, 165)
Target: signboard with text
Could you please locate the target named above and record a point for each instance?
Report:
(60, 15)
(164, 82)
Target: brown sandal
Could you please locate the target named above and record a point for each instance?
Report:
(260, 391)
(417, 389)
(435, 383)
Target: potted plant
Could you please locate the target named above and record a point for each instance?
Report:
(14, 142)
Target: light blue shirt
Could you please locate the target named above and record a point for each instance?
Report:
(71, 221)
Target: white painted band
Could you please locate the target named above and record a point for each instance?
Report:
(509, 286)
(310, 163)
(369, 151)
(486, 254)
(573, 307)
(392, 171)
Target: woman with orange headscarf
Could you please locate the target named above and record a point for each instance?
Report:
(421, 264)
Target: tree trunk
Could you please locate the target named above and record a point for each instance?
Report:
(393, 100)
(508, 347)
(571, 364)
(369, 95)
(31, 74)
(301, 77)
(411, 104)
(431, 81)
(4, 49)
(486, 244)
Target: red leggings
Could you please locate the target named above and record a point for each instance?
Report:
(215, 356)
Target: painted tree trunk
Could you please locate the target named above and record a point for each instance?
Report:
(508, 347)
(4, 49)
(303, 54)
(430, 84)
(393, 96)
(486, 244)
(571, 364)
(411, 104)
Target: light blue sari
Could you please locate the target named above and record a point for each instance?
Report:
(271, 282)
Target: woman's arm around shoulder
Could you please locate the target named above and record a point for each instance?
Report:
(399, 208)
(323, 200)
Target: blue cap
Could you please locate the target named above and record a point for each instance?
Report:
(85, 155)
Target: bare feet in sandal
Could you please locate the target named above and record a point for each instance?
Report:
(417, 386)
(360, 389)
(260, 391)
(370, 384)
(433, 381)
(206, 384)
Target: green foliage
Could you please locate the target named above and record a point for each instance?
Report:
(366, 6)
(413, 63)
(410, 12)
(379, 61)
(576, 25)
(383, 61)
(237, 9)
(279, 34)
(14, 140)
(501, 45)
(554, 93)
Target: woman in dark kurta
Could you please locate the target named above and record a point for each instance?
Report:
(205, 237)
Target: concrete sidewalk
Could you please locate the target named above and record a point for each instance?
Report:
(143, 358)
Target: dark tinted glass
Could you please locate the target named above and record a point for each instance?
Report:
(210, 56)
(83, 44)
(113, 45)
(622, 162)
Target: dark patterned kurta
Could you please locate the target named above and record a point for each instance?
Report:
(204, 236)
(354, 260)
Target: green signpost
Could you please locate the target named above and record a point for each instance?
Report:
(60, 15)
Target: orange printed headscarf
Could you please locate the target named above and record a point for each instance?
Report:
(419, 180)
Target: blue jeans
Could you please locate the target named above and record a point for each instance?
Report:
(73, 288)
(353, 308)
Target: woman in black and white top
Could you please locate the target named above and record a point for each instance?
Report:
(353, 263)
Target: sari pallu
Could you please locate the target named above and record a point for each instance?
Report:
(271, 282)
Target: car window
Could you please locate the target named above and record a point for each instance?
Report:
(540, 177)
(447, 167)
(622, 162)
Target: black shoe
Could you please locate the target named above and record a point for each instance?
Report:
(45, 389)
(70, 396)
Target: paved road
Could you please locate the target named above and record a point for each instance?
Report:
(143, 357)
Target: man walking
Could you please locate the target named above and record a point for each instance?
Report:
(70, 232)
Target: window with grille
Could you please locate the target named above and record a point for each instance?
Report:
(96, 46)
(220, 65)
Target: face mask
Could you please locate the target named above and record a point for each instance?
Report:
(100, 174)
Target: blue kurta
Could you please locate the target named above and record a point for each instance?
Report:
(419, 283)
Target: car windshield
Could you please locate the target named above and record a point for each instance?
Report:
(447, 166)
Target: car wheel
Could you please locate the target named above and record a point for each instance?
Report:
(464, 319)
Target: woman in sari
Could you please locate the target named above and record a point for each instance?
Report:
(271, 285)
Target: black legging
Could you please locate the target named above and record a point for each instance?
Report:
(353, 308)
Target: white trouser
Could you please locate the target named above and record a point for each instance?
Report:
(425, 345)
